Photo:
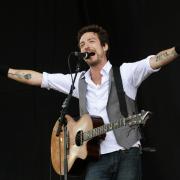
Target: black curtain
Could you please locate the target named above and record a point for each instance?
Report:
(39, 35)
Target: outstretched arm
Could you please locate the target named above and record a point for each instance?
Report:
(164, 57)
(24, 76)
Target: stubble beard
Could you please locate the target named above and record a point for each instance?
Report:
(93, 63)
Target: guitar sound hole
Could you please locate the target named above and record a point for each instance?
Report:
(79, 138)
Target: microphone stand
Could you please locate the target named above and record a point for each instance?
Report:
(63, 122)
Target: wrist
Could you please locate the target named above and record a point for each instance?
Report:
(4, 71)
(177, 49)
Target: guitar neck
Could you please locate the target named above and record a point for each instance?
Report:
(136, 119)
(105, 128)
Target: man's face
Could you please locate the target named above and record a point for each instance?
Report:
(90, 42)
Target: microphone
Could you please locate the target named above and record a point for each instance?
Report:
(83, 55)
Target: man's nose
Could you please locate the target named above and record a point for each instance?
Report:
(87, 48)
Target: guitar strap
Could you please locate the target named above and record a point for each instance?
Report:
(120, 91)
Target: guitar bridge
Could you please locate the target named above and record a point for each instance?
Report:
(79, 138)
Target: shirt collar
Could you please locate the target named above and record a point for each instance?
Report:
(105, 70)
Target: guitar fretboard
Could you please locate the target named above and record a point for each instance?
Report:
(131, 120)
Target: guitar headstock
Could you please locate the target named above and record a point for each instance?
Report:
(140, 118)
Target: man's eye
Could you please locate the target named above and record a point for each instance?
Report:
(81, 45)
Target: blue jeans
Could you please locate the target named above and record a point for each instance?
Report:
(118, 165)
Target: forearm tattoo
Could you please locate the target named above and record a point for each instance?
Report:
(164, 55)
(161, 56)
(22, 76)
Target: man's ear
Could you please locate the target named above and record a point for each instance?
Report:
(106, 47)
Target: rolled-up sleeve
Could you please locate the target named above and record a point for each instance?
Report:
(60, 82)
(134, 73)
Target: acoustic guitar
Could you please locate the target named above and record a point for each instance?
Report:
(84, 137)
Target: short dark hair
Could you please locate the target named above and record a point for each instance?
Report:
(101, 32)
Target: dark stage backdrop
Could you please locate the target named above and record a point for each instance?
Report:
(39, 35)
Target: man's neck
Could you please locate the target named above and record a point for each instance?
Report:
(95, 72)
(97, 68)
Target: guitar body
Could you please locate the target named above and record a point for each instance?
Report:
(84, 137)
(88, 149)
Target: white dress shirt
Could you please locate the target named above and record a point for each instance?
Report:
(97, 95)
